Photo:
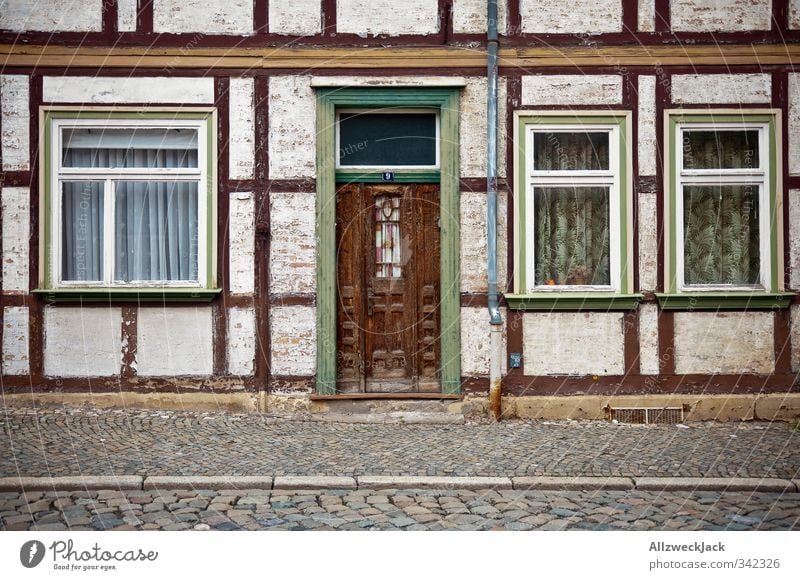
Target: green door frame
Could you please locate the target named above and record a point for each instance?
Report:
(446, 100)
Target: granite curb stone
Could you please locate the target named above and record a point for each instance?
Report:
(314, 482)
(208, 482)
(714, 484)
(573, 483)
(71, 483)
(432, 482)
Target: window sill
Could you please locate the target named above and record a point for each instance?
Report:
(725, 300)
(53, 295)
(573, 301)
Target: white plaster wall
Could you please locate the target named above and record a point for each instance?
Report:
(474, 274)
(375, 17)
(794, 239)
(646, 18)
(51, 15)
(205, 16)
(294, 340)
(387, 81)
(14, 120)
(183, 90)
(241, 145)
(794, 123)
(647, 125)
(241, 341)
(126, 15)
(725, 342)
(648, 242)
(795, 334)
(473, 131)
(174, 341)
(242, 242)
(470, 16)
(722, 88)
(720, 15)
(476, 342)
(572, 90)
(292, 243)
(16, 238)
(794, 14)
(15, 341)
(301, 17)
(573, 343)
(292, 128)
(648, 339)
(82, 342)
(575, 17)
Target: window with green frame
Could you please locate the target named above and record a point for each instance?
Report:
(723, 210)
(573, 238)
(129, 200)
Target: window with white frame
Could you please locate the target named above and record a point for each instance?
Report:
(574, 172)
(722, 200)
(129, 198)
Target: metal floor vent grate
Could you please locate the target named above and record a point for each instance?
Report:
(648, 415)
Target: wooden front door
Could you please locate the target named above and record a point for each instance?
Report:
(387, 287)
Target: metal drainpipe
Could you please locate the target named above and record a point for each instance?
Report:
(491, 219)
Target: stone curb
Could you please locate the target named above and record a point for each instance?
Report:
(71, 483)
(714, 484)
(573, 483)
(432, 482)
(300, 482)
(213, 483)
(314, 482)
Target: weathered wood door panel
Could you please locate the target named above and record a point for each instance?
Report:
(387, 288)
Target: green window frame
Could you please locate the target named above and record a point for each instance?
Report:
(618, 293)
(53, 121)
(766, 178)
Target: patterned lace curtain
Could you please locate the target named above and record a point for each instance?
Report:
(572, 222)
(156, 222)
(721, 235)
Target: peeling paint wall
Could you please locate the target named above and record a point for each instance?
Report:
(794, 14)
(722, 88)
(174, 341)
(573, 343)
(720, 16)
(241, 143)
(572, 90)
(578, 16)
(204, 16)
(384, 17)
(647, 126)
(293, 243)
(796, 338)
(794, 239)
(648, 339)
(15, 341)
(294, 340)
(241, 341)
(126, 15)
(474, 247)
(82, 342)
(14, 115)
(469, 16)
(301, 17)
(292, 128)
(725, 342)
(646, 17)
(648, 241)
(473, 131)
(16, 238)
(794, 123)
(52, 15)
(476, 342)
(242, 242)
(184, 90)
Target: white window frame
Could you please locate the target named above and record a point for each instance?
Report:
(610, 178)
(758, 177)
(58, 174)
(389, 111)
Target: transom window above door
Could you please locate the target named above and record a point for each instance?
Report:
(385, 139)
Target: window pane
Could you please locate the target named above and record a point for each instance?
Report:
(156, 231)
(387, 140)
(388, 248)
(570, 151)
(82, 231)
(129, 148)
(720, 150)
(721, 234)
(571, 236)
